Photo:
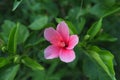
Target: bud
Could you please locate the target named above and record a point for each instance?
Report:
(3, 48)
(17, 59)
(86, 37)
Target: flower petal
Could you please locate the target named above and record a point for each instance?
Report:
(52, 35)
(51, 52)
(62, 28)
(73, 41)
(67, 55)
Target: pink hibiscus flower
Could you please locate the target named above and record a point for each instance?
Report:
(62, 43)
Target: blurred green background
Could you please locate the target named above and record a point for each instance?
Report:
(46, 13)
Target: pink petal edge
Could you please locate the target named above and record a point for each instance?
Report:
(52, 35)
(73, 41)
(51, 52)
(67, 55)
(63, 30)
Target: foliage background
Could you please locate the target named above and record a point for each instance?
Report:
(34, 16)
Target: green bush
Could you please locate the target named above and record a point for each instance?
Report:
(22, 43)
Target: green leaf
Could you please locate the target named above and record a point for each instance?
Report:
(3, 61)
(30, 44)
(109, 3)
(12, 40)
(6, 28)
(51, 8)
(16, 4)
(40, 23)
(58, 20)
(23, 34)
(113, 10)
(32, 63)
(75, 13)
(102, 11)
(106, 37)
(81, 25)
(93, 71)
(39, 75)
(9, 73)
(104, 58)
(72, 28)
(94, 29)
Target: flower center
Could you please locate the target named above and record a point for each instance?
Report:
(63, 44)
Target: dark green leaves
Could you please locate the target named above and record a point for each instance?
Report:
(6, 28)
(93, 71)
(23, 34)
(32, 63)
(104, 37)
(113, 10)
(16, 4)
(107, 3)
(3, 61)
(12, 41)
(104, 58)
(95, 28)
(9, 73)
(79, 15)
(13, 34)
(72, 28)
(1, 44)
(81, 25)
(39, 23)
(102, 11)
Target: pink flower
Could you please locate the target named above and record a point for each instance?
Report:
(62, 43)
